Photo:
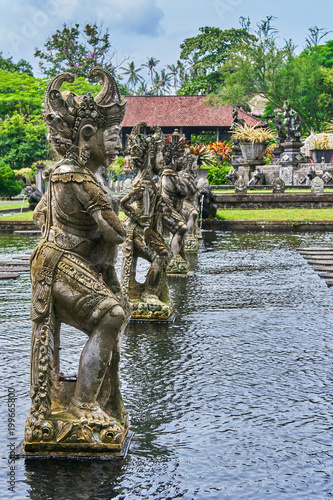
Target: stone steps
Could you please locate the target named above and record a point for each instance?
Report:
(322, 259)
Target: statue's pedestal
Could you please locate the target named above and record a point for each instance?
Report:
(151, 309)
(64, 434)
(178, 267)
(69, 451)
(292, 154)
(191, 245)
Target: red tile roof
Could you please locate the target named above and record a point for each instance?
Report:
(180, 111)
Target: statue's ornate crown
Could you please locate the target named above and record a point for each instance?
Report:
(65, 113)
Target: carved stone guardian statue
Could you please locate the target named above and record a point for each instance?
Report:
(73, 279)
(174, 191)
(145, 211)
(191, 202)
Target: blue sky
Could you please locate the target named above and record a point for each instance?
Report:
(145, 28)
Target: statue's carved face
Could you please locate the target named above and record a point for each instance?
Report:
(104, 146)
(112, 143)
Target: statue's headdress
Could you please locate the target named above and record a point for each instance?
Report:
(65, 113)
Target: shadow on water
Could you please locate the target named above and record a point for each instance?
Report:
(232, 400)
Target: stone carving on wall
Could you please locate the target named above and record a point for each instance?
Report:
(146, 210)
(327, 177)
(317, 185)
(278, 185)
(240, 185)
(74, 281)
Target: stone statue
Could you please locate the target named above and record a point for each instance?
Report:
(281, 136)
(235, 119)
(317, 185)
(240, 185)
(231, 176)
(279, 185)
(208, 206)
(34, 196)
(73, 278)
(191, 202)
(173, 191)
(292, 123)
(145, 210)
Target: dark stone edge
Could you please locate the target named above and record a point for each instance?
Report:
(120, 455)
(283, 226)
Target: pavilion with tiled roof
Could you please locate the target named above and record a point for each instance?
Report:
(189, 113)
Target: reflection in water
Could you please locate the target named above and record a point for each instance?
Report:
(233, 400)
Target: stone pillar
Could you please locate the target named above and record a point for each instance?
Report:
(40, 183)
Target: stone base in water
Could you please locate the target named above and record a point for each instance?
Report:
(63, 432)
(151, 309)
(77, 450)
(191, 245)
(178, 266)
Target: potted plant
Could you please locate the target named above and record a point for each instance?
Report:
(253, 140)
(321, 147)
(206, 159)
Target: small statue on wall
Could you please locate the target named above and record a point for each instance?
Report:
(280, 134)
(292, 123)
(73, 278)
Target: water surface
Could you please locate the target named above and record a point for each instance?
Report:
(233, 400)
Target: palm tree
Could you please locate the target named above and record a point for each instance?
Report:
(132, 72)
(142, 89)
(174, 72)
(165, 81)
(150, 64)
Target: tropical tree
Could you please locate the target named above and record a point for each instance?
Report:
(22, 66)
(9, 186)
(20, 93)
(276, 73)
(77, 50)
(151, 63)
(205, 53)
(22, 143)
(133, 74)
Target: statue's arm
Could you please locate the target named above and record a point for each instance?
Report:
(40, 212)
(127, 200)
(98, 206)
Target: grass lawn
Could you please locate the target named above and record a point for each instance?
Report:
(28, 216)
(291, 214)
(16, 204)
(22, 216)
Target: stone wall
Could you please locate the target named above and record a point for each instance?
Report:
(274, 200)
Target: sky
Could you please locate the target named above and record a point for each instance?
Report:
(150, 28)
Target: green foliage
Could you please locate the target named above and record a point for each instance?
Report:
(326, 54)
(22, 143)
(276, 73)
(21, 93)
(76, 50)
(21, 66)
(203, 138)
(202, 85)
(117, 167)
(217, 175)
(212, 47)
(205, 53)
(9, 186)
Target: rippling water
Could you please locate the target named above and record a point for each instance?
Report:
(233, 400)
